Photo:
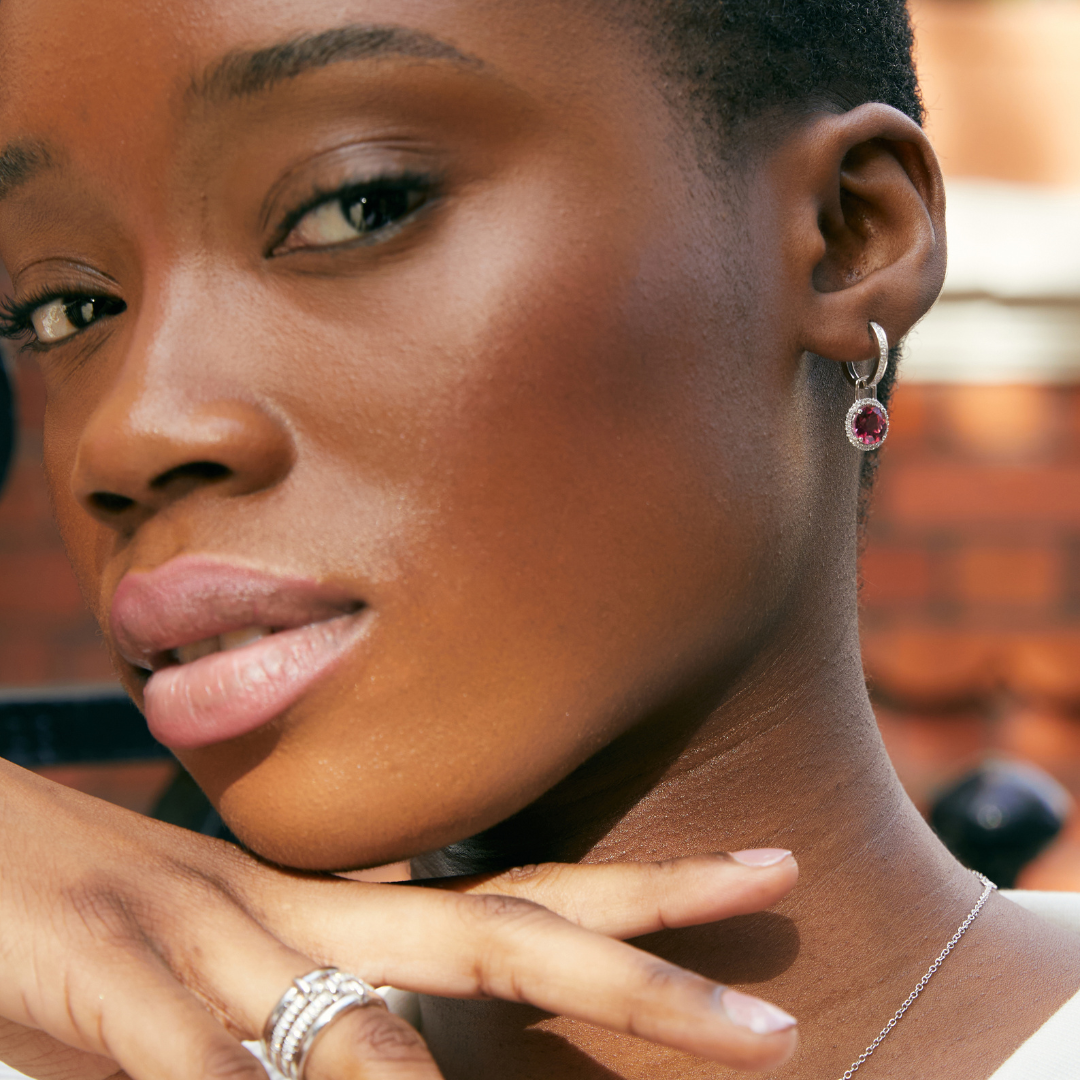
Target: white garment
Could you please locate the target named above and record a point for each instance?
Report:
(1052, 1053)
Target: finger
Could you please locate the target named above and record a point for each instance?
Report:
(144, 1018)
(371, 1044)
(243, 977)
(458, 945)
(41, 1056)
(150, 1025)
(628, 899)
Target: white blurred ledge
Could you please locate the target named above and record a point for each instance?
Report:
(1010, 308)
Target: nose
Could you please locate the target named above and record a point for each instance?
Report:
(142, 452)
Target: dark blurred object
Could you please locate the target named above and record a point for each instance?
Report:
(998, 818)
(93, 725)
(61, 726)
(7, 420)
(183, 803)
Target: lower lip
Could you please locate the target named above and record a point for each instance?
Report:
(228, 694)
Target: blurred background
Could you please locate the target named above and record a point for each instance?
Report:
(971, 570)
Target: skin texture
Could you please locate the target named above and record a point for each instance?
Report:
(564, 435)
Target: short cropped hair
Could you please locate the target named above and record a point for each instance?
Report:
(750, 66)
(743, 59)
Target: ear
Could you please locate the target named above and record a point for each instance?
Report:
(866, 238)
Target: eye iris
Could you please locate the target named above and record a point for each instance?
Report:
(376, 209)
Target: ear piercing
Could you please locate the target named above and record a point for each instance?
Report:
(867, 421)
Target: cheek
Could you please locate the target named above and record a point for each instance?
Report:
(556, 538)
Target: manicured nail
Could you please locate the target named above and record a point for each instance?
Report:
(753, 1013)
(761, 856)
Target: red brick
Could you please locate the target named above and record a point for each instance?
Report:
(892, 574)
(24, 501)
(951, 493)
(1027, 576)
(907, 417)
(32, 583)
(1044, 666)
(1071, 397)
(83, 661)
(927, 667)
(929, 750)
(24, 657)
(1045, 736)
(1001, 422)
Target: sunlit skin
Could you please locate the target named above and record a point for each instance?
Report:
(557, 430)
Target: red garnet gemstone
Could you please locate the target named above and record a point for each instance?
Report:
(869, 424)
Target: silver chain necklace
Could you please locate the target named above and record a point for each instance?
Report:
(988, 888)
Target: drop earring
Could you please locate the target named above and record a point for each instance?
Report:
(867, 421)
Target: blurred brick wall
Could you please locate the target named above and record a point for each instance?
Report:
(971, 589)
(46, 632)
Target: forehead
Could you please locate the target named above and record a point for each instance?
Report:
(100, 66)
(118, 86)
(124, 106)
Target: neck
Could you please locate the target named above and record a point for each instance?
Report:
(786, 754)
(789, 756)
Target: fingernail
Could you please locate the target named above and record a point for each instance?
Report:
(762, 856)
(753, 1013)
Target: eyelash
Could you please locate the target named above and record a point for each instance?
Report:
(15, 316)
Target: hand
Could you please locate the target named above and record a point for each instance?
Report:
(127, 945)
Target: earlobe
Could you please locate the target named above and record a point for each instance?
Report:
(876, 252)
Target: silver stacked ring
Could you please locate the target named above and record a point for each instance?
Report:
(305, 1009)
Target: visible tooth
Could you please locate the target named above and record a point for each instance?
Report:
(236, 638)
(197, 650)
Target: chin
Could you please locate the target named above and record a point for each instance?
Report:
(296, 816)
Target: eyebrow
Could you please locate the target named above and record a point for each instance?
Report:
(21, 162)
(245, 72)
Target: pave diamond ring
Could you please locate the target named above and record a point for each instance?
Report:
(312, 1002)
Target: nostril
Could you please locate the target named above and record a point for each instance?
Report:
(110, 503)
(192, 470)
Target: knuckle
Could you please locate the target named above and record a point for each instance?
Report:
(535, 873)
(658, 979)
(103, 912)
(374, 1033)
(667, 867)
(499, 928)
(494, 911)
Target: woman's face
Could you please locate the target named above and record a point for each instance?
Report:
(412, 331)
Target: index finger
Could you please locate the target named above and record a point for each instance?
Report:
(629, 899)
(450, 944)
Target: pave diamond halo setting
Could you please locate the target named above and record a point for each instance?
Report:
(867, 422)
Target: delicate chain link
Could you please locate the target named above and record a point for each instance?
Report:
(988, 888)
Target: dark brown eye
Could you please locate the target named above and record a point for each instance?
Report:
(61, 318)
(368, 211)
(362, 210)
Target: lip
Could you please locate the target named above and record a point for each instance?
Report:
(228, 694)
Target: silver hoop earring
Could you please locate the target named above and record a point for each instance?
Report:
(867, 422)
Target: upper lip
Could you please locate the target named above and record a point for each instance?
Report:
(189, 599)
